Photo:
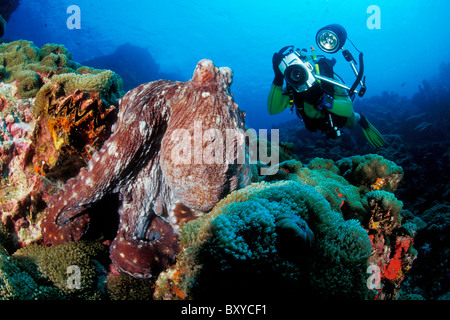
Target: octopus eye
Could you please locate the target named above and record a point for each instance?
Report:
(152, 235)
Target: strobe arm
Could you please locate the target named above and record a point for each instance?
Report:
(332, 81)
(359, 77)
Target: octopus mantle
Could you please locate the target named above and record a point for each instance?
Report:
(141, 162)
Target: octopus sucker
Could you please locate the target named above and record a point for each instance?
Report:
(158, 194)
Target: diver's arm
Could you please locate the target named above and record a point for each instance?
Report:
(342, 104)
(277, 101)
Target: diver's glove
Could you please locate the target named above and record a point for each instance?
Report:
(279, 77)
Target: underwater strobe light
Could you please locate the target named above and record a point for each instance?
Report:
(331, 38)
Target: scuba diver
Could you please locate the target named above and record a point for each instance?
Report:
(320, 97)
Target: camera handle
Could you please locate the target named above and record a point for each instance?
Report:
(286, 50)
(348, 56)
(332, 81)
(359, 75)
(343, 86)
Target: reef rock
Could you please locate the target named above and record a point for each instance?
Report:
(54, 114)
(75, 114)
(165, 161)
(312, 231)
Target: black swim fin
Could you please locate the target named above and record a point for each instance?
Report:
(371, 133)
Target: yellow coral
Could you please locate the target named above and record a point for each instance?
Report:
(104, 81)
(52, 263)
(58, 128)
(379, 184)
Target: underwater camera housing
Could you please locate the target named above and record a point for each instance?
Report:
(301, 75)
(297, 73)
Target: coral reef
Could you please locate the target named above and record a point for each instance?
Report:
(31, 67)
(23, 192)
(159, 190)
(17, 284)
(392, 250)
(372, 171)
(47, 133)
(431, 269)
(324, 176)
(418, 141)
(330, 225)
(38, 272)
(52, 264)
(75, 114)
(126, 287)
(5, 236)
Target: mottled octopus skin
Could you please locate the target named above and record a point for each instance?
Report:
(157, 195)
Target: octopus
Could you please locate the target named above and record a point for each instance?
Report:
(140, 162)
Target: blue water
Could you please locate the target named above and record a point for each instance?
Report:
(409, 46)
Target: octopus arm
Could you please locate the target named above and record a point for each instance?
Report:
(141, 120)
(146, 243)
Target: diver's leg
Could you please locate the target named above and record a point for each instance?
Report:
(353, 120)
